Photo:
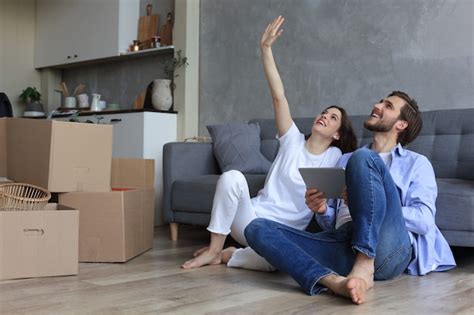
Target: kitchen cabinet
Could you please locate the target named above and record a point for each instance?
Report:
(142, 134)
(82, 30)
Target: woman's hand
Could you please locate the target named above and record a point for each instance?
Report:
(272, 32)
(315, 201)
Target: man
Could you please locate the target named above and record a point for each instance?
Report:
(387, 226)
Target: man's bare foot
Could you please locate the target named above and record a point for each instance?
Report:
(363, 269)
(353, 288)
(205, 258)
(200, 251)
(227, 254)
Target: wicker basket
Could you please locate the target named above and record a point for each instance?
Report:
(21, 197)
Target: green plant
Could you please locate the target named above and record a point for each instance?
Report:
(30, 94)
(175, 63)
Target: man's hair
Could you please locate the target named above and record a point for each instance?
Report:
(411, 114)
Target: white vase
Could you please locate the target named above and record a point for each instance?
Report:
(161, 97)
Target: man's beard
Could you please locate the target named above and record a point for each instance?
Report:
(380, 126)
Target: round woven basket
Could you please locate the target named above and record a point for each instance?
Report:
(22, 197)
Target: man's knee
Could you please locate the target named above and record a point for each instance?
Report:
(257, 229)
(361, 157)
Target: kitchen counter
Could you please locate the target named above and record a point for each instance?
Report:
(109, 112)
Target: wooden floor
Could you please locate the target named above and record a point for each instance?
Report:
(154, 283)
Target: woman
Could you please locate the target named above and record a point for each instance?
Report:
(282, 198)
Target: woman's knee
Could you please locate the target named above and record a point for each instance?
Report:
(232, 177)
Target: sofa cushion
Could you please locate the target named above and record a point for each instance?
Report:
(237, 147)
(196, 194)
(455, 204)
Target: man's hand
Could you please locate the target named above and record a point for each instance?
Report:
(315, 201)
(272, 32)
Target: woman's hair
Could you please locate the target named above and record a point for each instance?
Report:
(347, 140)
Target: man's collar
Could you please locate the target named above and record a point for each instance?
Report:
(396, 149)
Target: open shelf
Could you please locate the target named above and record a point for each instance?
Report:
(124, 56)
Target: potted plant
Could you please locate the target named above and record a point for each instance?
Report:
(175, 63)
(162, 91)
(31, 97)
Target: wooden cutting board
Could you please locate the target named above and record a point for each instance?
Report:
(148, 25)
(139, 101)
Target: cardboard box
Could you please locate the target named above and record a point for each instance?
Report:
(3, 147)
(118, 225)
(59, 156)
(39, 243)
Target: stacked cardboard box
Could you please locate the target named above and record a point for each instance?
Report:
(75, 160)
(39, 243)
(59, 156)
(118, 225)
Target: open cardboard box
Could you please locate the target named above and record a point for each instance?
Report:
(118, 225)
(39, 243)
(59, 156)
(3, 147)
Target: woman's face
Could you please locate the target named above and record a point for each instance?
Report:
(328, 123)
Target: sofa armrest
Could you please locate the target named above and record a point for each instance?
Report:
(181, 160)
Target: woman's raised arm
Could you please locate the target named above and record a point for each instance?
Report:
(280, 104)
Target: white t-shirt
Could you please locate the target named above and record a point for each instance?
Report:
(387, 158)
(343, 214)
(282, 198)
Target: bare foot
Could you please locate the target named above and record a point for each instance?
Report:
(205, 258)
(363, 268)
(353, 288)
(227, 254)
(200, 251)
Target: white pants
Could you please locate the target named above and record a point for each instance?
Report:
(231, 212)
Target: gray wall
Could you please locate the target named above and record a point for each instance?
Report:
(121, 81)
(117, 82)
(335, 52)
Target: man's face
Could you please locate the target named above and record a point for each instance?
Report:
(385, 114)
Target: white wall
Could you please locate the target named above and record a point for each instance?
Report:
(17, 42)
(186, 95)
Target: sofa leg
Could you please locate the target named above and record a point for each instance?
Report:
(174, 231)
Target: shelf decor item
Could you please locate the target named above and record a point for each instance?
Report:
(166, 31)
(161, 96)
(31, 98)
(173, 64)
(22, 197)
(147, 29)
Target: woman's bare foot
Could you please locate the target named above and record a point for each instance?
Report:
(200, 251)
(227, 254)
(205, 258)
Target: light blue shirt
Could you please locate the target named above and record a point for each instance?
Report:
(414, 176)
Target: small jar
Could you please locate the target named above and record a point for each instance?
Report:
(136, 46)
(155, 42)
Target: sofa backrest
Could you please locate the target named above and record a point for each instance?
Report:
(446, 139)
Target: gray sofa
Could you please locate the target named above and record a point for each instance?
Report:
(190, 171)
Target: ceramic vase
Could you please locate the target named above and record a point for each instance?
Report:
(161, 97)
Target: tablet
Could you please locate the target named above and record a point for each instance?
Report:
(330, 180)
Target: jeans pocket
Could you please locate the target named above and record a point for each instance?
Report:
(394, 264)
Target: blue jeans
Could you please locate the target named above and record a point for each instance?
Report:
(377, 230)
